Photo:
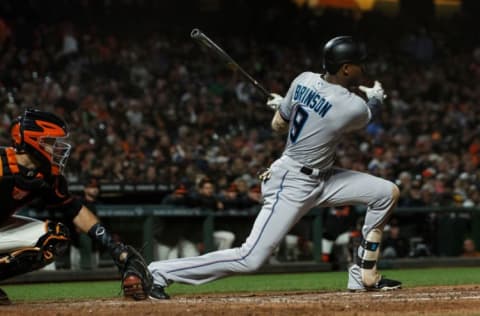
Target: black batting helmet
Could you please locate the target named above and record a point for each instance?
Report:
(342, 50)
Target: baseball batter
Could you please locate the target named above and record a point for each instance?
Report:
(316, 111)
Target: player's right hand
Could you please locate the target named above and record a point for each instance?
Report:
(376, 91)
(264, 175)
(274, 101)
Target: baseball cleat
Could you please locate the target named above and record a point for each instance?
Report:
(382, 285)
(132, 288)
(158, 293)
(386, 285)
(4, 300)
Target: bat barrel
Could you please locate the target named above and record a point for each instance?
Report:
(203, 39)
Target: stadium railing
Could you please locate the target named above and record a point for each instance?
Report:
(448, 236)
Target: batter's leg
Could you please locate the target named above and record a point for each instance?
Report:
(275, 219)
(346, 187)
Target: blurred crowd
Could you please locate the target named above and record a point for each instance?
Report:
(153, 107)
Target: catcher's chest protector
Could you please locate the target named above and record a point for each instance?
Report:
(12, 195)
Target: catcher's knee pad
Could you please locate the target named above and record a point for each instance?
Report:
(367, 257)
(53, 243)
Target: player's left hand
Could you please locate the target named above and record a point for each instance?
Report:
(274, 101)
(376, 91)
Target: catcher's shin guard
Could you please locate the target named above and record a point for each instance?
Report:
(367, 257)
(48, 246)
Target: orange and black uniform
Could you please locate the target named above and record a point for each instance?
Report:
(20, 187)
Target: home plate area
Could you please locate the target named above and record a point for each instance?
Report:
(438, 300)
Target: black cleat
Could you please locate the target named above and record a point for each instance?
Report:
(158, 293)
(386, 285)
(382, 285)
(4, 300)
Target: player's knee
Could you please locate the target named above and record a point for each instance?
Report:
(252, 259)
(387, 196)
(395, 193)
(55, 241)
(252, 264)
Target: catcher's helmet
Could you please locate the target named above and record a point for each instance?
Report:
(40, 135)
(342, 50)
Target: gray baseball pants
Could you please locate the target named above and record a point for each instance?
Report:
(288, 195)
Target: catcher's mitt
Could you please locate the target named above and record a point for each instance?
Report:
(137, 281)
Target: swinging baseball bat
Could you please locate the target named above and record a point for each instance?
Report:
(204, 40)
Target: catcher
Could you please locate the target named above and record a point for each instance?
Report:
(31, 172)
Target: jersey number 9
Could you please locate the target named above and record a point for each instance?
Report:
(298, 122)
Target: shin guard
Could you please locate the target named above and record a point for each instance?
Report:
(367, 257)
(50, 245)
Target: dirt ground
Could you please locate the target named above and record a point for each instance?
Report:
(447, 300)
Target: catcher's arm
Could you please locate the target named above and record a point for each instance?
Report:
(136, 279)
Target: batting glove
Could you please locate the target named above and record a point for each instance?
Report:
(375, 92)
(274, 101)
(264, 175)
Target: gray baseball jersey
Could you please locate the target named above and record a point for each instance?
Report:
(319, 114)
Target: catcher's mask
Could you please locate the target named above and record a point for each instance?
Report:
(41, 135)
